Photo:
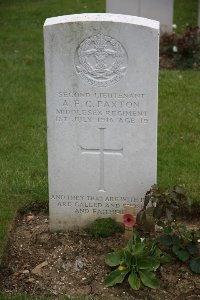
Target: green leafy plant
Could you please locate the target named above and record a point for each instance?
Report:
(181, 242)
(103, 227)
(195, 265)
(138, 261)
(183, 50)
(164, 203)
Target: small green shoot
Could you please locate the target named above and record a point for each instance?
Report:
(103, 227)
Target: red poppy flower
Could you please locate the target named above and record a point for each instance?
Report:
(129, 220)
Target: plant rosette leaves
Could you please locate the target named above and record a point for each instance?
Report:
(167, 229)
(192, 248)
(149, 263)
(116, 276)
(130, 245)
(129, 259)
(165, 239)
(187, 235)
(141, 258)
(139, 248)
(176, 249)
(134, 281)
(149, 279)
(165, 258)
(183, 255)
(195, 265)
(176, 240)
(136, 237)
(113, 259)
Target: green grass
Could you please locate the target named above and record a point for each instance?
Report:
(185, 12)
(179, 130)
(23, 158)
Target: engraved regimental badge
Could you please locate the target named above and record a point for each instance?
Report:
(101, 60)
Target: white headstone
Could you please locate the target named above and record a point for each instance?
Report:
(160, 10)
(101, 90)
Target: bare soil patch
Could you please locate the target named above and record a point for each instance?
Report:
(53, 264)
(166, 63)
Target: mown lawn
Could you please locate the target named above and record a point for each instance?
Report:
(23, 154)
(185, 12)
(179, 130)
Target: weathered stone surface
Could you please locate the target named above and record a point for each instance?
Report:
(101, 89)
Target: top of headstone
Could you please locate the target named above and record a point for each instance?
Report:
(103, 17)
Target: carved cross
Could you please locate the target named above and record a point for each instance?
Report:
(101, 151)
(128, 219)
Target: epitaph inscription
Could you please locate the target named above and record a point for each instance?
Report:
(100, 205)
(101, 60)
